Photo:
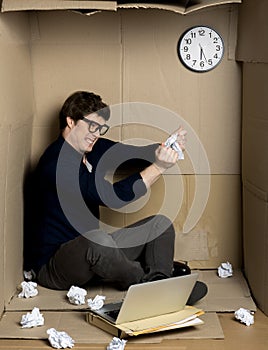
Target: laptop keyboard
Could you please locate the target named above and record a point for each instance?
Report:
(113, 313)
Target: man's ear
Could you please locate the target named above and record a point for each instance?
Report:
(70, 122)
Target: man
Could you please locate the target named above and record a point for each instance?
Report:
(67, 246)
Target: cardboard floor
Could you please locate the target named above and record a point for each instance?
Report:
(225, 294)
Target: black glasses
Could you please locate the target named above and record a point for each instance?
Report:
(94, 126)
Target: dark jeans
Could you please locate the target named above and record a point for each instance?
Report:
(128, 256)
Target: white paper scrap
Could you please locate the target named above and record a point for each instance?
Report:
(28, 290)
(77, 295)
(225, 270)
(172, 142)
(245, 316)
(32, 319)
(117, 344)
(97, 303)
(59, 340)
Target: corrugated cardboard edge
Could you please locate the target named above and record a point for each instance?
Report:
(177, 8)
(19, 5)
(96, 6)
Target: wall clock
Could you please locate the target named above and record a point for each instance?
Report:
(200, 48)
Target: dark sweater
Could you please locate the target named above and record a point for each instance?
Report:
(66, 196)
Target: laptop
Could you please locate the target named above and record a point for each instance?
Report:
(150, 299)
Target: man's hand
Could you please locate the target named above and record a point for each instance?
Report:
(181, 137)
(165, 157)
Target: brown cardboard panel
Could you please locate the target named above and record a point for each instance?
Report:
(18, 154)
(220, 220)
(4, 133)
(224, 295)
(255, 166)
(255, 102)
(201, 102)
(255, 125)
(74, 323)
(184, 7)
(256, 243)
(15, 5)
(252, 29)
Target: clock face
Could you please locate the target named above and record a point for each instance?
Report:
(200, 48)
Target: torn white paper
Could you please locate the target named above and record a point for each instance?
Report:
(77, 295)
(117, 344)
(28, 290)
(244, 316)
(97, 303)
(32, 319)
(225, 270)
(59, 340)
(172, 142)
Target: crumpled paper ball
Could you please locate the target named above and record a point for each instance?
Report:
(59, 340)
(245, 316)
(32, 319)
(172, 142)
(225, 270)
(28, 290)
(117, 344)
(97, 303)
(77, 295)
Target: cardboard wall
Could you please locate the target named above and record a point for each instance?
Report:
(110, 54)
(16, 100)
(57, 52)
(253, 52)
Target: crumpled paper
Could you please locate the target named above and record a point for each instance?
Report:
(97, 303)
(117, 344)
(244, 316)
(32, 319)
(172, 142)
(225, 270)
(28, 290)
(77, 295)
(59, 340)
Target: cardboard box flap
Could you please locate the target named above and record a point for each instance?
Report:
(18, 5)
(180, 6)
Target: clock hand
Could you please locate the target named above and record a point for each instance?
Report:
(202, 53)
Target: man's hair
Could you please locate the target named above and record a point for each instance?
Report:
(80, 104)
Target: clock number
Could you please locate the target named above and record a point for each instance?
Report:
(218, 48)
(193, 35)
(188, 41)
(201, 32)
(216, 55)
(215, 40)
(202, 64)
(188, 57)
(185, 48)
(210, 62)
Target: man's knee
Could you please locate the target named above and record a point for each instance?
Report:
(99, 238)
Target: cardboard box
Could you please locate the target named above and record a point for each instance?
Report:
(254, 56)
(45, 55)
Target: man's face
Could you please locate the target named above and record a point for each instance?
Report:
(84, 134)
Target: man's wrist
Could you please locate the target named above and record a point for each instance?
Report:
(159, 168)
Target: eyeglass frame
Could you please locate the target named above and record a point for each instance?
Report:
(98, 128)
